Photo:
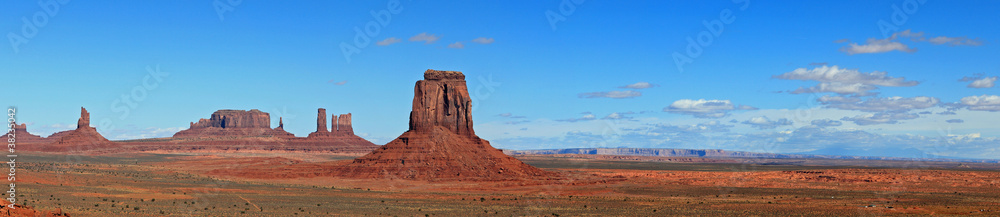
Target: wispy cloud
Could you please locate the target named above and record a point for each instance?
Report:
(586, 117)
(825, 123)
(880, 118)
(955, 121)
(456, 45)
(388, 41)
(843, 81)
(762, 122)
(892, 43)
(426, 38)
(639, 85)
(611, 94)
(483, 40)
(881, 104)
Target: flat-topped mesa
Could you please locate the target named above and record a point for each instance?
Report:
(232, 123)
(344, 125)
(84, 120)
(321, 121)
(23, 136)
(228, 118)
(442, 99)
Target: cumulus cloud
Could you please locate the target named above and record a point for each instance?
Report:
(982, 103)
(979, 81)
(880, 118)
(762, 122)
(426, 38)
(388, 41)
(456, 45)
(639, 85)
(818, 64)
(825, 123)
(611, 94)
(704, 108)
(955, 121)
(878, 104)
(483, 40)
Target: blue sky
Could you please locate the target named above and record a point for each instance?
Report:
(543, 74)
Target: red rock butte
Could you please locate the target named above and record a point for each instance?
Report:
(440, 143)
(237, 123)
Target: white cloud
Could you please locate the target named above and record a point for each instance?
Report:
(456, 45)
(876, 46)
(611, 94)
(881, 118)
(982, 103)
(762, 122)
(878, 104)
(388, 41)
(835, 74)
(955, 121)
(639, 85)
(983, 83)
(704, 108)
(426, 38)
(483, 40)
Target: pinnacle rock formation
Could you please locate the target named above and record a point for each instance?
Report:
(440, 144)
(230, 123)
(83, 134)
(321, 121)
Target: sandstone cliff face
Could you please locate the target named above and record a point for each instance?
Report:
(442, 99)
(440, 144)
(341, 126)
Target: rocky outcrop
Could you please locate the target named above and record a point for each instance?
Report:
(440, 144)
(344, 125)
(442, 99)
(21, 135)
(232, 123)
(341, 125)
(84, 134)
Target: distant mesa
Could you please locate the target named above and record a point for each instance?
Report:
(440, 143)
(233, 123)
(22, 135)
